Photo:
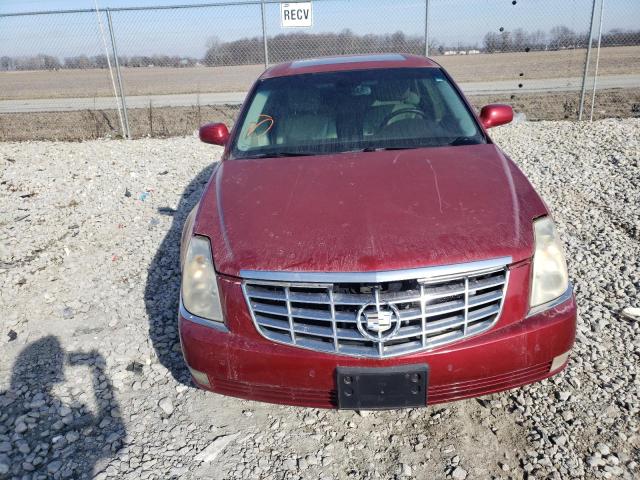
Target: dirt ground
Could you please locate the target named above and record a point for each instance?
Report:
(180, 121)
(535, 65)
(92, 379)
(148, 81)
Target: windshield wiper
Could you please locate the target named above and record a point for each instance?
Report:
(380, 149)
(281, 154)
(464, 141)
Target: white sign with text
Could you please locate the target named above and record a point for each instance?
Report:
(296, 15)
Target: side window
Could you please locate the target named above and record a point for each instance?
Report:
(257, 123)
(455, 107)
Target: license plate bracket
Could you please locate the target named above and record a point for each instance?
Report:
(366, 388)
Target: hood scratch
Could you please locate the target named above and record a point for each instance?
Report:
(291, 192)
(435, 180)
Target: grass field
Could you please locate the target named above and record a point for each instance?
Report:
(150, 81)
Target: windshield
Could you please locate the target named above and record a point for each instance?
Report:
(360, 110)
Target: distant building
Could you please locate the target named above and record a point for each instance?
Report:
(461, 52)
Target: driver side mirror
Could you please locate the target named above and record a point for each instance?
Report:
(495, 114)
(215, 133)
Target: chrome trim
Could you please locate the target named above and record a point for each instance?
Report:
(184, 313)
(334, 332)
(568, 293)
(377, 277)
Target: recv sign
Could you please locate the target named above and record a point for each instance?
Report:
(299, 14)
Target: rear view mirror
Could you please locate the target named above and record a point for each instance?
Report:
(215, 133)
(495, 114)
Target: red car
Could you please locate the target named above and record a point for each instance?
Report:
(364, 244)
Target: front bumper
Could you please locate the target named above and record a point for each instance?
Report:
(239, 362)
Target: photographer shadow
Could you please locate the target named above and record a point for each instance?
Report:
(57, 437)
(162, 290)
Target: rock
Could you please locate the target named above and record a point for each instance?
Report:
(21, 427)
(631, 313)
(459, 473)
(559, 440)
(166, 405)
(595, 461)
(54, 466)
(23, 447)
(290, 464)
(212, 450)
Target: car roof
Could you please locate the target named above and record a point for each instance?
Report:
(348, 62)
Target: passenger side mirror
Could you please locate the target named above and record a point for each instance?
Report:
(495, 114)
(215, 133)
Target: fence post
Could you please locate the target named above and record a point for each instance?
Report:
(595, 72)
(426, 28)
(587, 60)
(264, 36)
(127, 132)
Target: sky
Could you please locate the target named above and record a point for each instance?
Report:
(186, 31)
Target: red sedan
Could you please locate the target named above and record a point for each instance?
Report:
(364, 244)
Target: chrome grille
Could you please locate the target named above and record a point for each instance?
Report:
(426, 311)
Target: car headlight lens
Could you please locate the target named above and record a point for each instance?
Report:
(199, 284)
(550, 276)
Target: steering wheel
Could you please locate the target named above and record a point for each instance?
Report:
(397, 113)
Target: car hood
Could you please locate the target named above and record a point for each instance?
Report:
(358, 212)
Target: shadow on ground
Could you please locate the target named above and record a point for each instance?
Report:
(47, 427)
(162, 291)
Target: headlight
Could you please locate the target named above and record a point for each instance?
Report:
(550, 276)
(199, 284)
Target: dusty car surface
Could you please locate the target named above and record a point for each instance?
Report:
(364, 244)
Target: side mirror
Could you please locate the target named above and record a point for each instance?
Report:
(215, 133)
(495, 114)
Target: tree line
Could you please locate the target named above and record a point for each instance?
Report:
(284, 47)
(49, 62)
(558, 38)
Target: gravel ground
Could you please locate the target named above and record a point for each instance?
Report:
(92, 380)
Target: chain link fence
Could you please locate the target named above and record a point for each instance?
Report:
(162, 71)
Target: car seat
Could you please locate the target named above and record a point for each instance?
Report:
(308, 119)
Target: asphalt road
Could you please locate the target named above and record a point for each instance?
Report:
(189, 99)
